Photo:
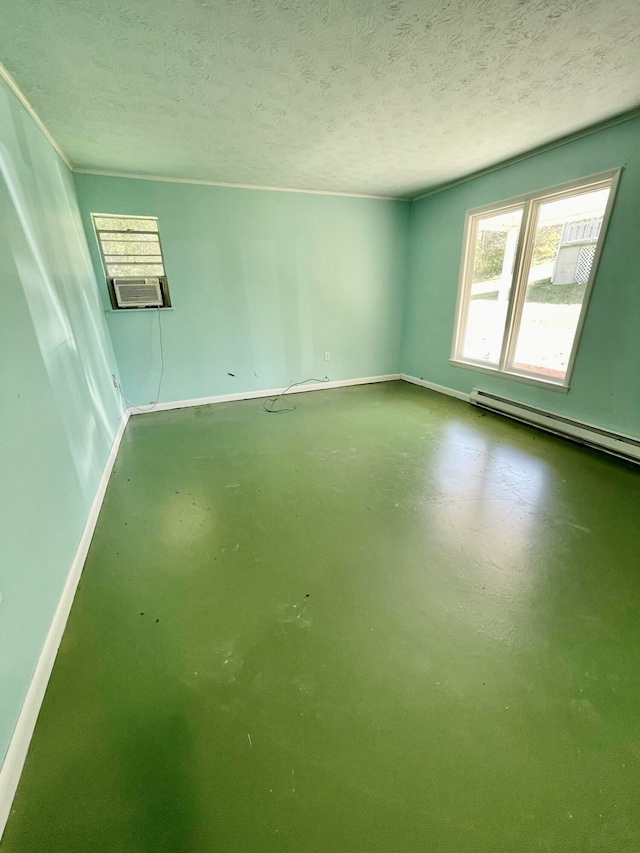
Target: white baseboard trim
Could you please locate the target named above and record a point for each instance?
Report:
(21, 739)
(441, 389)
(252, 395)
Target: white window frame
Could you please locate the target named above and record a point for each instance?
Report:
(530, 204)
(164, 284)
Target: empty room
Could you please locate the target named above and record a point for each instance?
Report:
(320, 426)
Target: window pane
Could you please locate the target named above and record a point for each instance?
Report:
(496, 243)
(566, 236)
(126, 270)
(132, 259)
(121, 223)
(124, 235)
(109, 247)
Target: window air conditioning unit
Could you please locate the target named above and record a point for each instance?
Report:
(138, 292)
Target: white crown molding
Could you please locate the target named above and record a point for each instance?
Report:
(20, 95)
(19, 746)
(132, 176)
(527, 155)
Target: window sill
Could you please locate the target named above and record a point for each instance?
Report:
(136, 310)
(519, 377)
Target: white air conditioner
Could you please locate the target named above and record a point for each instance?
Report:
(138, 292)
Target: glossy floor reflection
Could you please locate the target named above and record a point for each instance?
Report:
(382, 622)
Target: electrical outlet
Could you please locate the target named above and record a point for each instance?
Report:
(327, 356)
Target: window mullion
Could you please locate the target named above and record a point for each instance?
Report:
(518, 285)
(470, 242)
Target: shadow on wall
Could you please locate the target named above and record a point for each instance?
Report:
(53, 266)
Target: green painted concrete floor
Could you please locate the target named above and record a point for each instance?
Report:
(381, 622)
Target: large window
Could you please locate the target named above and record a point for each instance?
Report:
(527, 270)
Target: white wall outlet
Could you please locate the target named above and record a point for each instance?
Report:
(327, 356)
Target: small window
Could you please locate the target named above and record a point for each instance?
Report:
(132, 257)
(527, 270)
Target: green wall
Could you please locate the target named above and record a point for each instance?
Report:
(605, 378)
(59, 408)
(263, 283)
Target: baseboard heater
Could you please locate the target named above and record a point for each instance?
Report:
(615, 443)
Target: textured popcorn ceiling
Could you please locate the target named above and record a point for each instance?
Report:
(349, 95)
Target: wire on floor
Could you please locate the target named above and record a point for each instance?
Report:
(274, 400)
(151, 406)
